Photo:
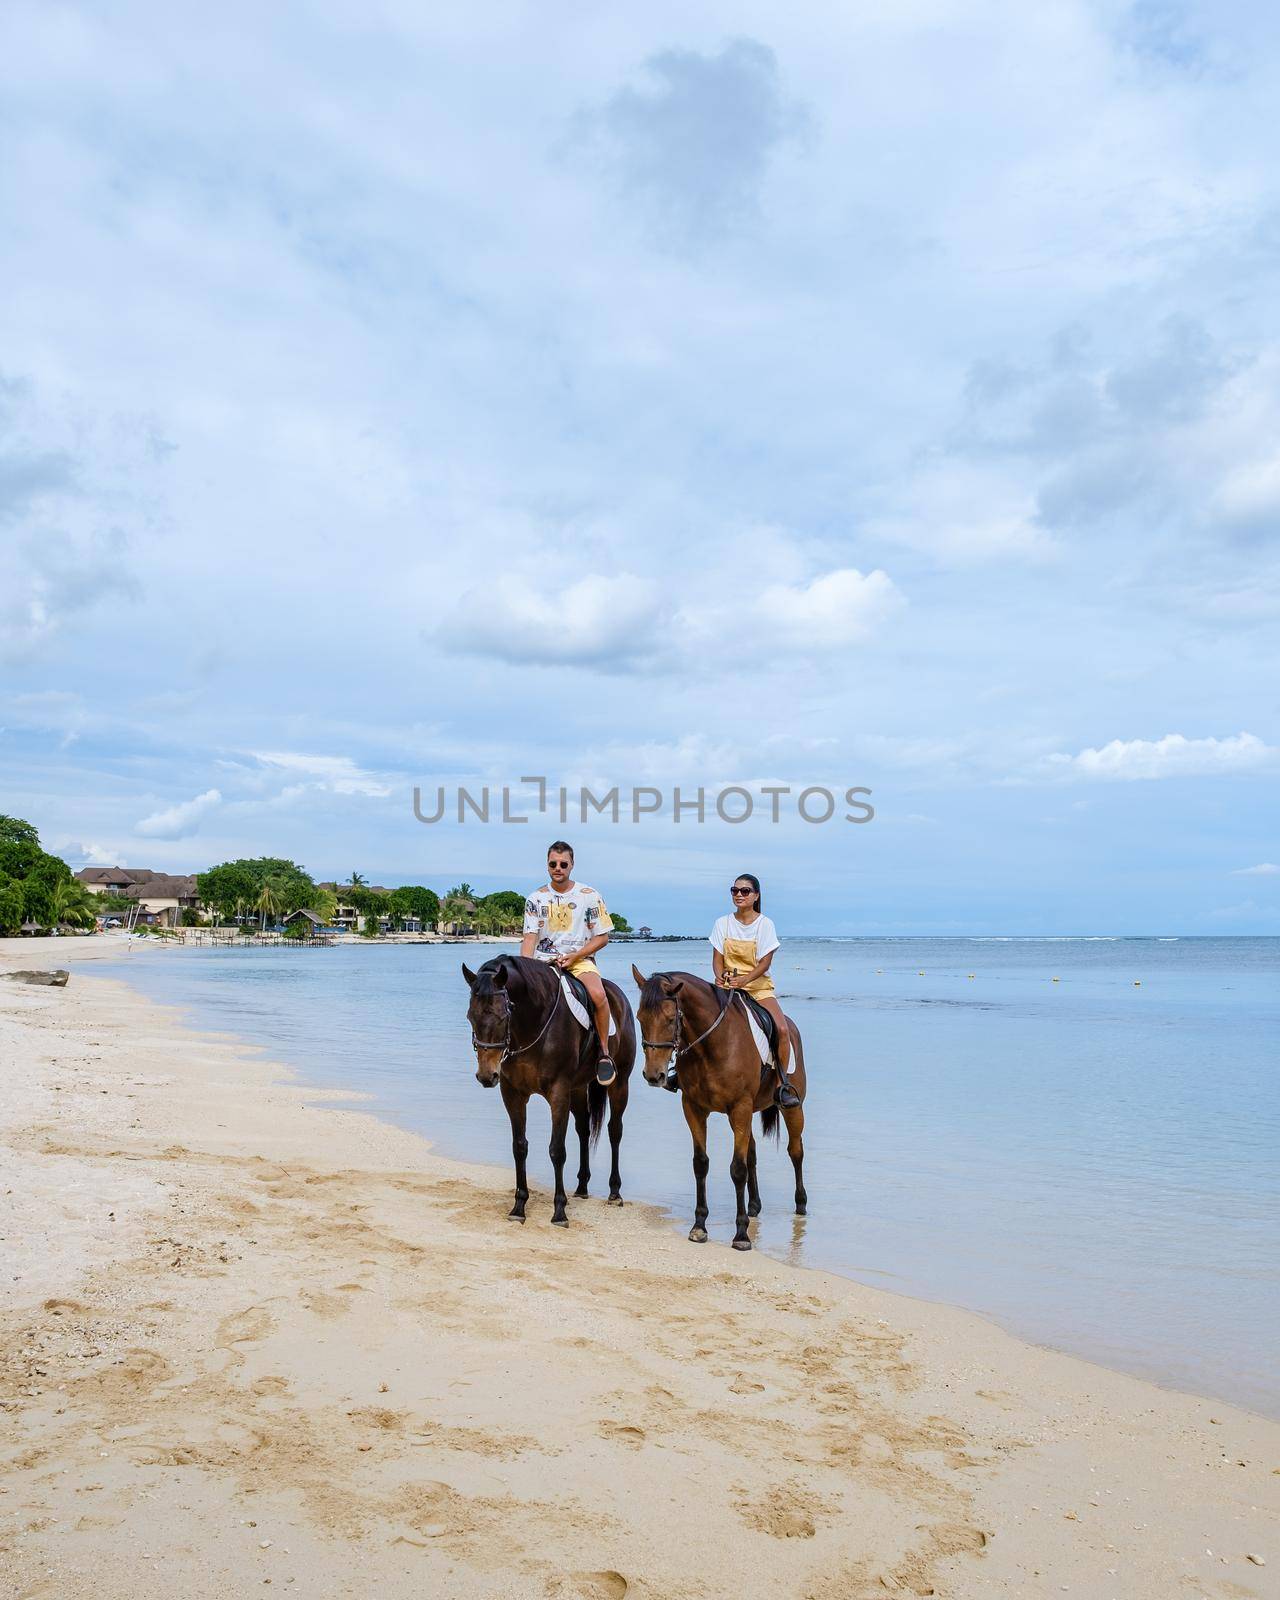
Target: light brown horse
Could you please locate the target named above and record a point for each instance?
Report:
(527, 1042)
(705, 1029)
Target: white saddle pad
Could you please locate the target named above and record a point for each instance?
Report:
(580, 1011)
(757, 1033)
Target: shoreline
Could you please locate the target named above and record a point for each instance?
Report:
(221, 1302)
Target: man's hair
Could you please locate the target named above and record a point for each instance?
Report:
(562, 845)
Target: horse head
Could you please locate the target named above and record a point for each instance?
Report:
(658, 1015)
(489, 1014)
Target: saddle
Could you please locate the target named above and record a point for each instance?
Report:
(767, 1025)
(578, 990)
(579, 1002)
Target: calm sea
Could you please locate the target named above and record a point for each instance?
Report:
(1093, 1164)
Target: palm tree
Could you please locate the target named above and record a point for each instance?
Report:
(358, 881)
(324, 903)
(71, 902)
(268, 901)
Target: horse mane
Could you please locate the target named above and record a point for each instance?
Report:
(516, 966)
(653, 994)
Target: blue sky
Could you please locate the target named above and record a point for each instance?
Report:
(861, 395)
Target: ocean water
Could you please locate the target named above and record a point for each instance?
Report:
(1093, 1163)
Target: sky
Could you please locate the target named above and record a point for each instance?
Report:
(399, 396)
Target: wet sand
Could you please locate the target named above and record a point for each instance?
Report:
(252, 1341)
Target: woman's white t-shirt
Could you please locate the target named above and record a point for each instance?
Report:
(748, 942)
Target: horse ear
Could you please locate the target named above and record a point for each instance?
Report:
(672, 986)
(468, 975)
(500, 977)
(639, 976)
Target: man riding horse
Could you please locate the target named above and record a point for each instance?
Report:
(566, 923)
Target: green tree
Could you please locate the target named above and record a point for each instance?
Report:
(413, 900)
(620, 923)
(324, 903)
(504, 911)
(35, 873)
(358, 881)
(13, 830)
(70, 902)
(269, 900)
(10, 907)
(225, 889)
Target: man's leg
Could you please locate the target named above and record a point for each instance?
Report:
(594, 985)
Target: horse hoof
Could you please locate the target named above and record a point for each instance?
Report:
(580, 1194)
(742, 1244)
(559, 1222)
(614, 1200)
(698, 1235)
(802, 1211)
(515, 1216)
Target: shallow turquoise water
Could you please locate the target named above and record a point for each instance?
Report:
(1092, 1164)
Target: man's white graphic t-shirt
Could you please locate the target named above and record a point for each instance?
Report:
(564, 922)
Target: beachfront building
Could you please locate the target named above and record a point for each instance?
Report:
(346, 916)
(162, 897)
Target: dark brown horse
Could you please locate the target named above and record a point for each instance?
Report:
(527, 1041)
(705, 1029)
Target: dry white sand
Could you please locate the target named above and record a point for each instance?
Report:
(252, 1342)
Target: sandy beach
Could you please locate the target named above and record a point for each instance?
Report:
(255, 1339)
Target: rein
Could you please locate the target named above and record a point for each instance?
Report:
(676, 1048)
(504, 1044)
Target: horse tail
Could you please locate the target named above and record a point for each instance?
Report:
(597, 1100)
(770, 1123)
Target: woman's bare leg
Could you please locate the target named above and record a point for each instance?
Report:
(784, 1038)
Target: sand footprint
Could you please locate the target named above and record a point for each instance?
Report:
(600, 1585)
(243, 1327)
(785, 1512)
(623, 1432)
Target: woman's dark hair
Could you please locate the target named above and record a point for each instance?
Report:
(755, 884)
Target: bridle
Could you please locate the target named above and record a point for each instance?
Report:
(673, 1044)
(504, 1044)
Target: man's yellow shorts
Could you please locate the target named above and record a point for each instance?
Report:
(586, 964)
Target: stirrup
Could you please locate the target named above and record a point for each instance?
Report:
(606, 1072)
(786, 1095)
(672, 1080)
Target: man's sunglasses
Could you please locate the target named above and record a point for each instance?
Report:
(736, 888)
(558, 864)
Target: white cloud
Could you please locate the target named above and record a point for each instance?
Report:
(1174, 756)
(88, 854)
(180, 821)
(593, 621)
(1264, 869)
(837, 609)
(964, 513)
(337, 774)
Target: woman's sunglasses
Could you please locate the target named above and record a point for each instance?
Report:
(737, 888)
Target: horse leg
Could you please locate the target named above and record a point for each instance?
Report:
(617, 1105)
(582, 1123)
(517, 1105)
(753, 1184)
(740, 1120)
(793, 1116)
(697, 1120)
(556, 1150)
